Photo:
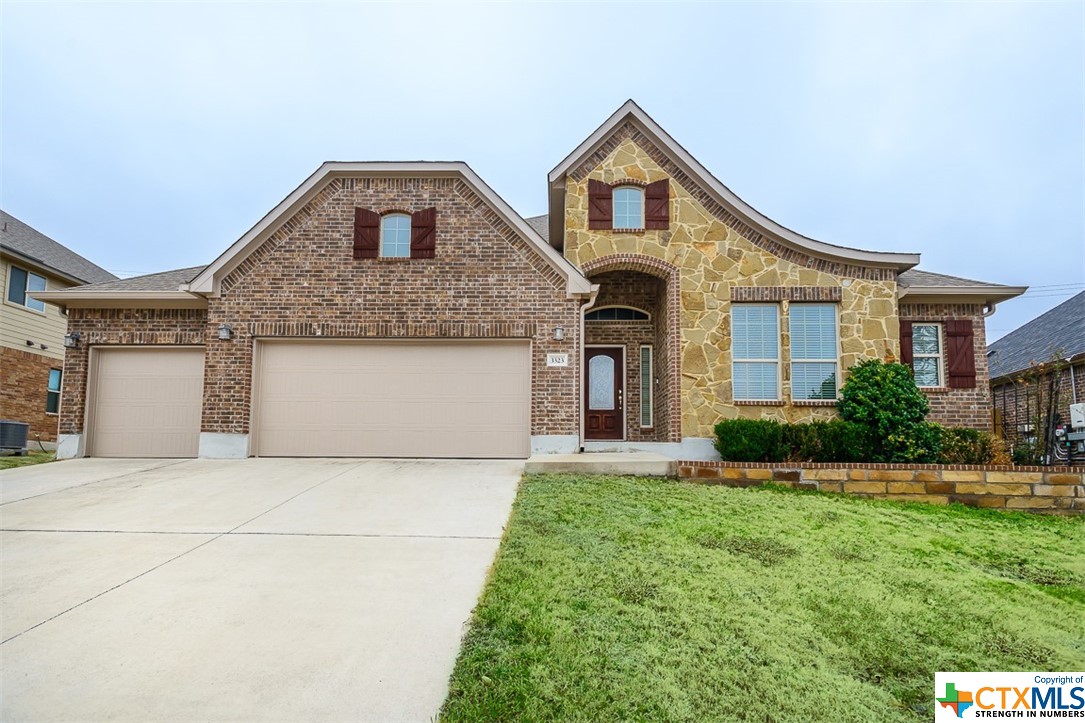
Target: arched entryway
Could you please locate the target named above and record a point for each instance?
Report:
(631, 357)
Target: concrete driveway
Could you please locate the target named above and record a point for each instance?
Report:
(271, 589)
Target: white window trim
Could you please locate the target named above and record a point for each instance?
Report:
(793, 361)
(619, 306)
(26, 299)
(385, 217)
(651, 386)
(614, 207)
(777, 361)
(939, 357)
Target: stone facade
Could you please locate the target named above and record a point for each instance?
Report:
(1034, 489)
(119, 327)
(24, 384)
(715, 255)
(957, 407)
(485, 282)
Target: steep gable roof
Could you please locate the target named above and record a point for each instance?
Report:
(631, 113)
(22, 240)
(1060, 330)
(208, 281)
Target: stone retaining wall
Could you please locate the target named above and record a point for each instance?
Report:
(1040, 489)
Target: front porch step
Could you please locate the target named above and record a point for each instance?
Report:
(640, 464)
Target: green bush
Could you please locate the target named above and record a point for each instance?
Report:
(834, 441)
(968, 446)
(884, 399)
(750, 440)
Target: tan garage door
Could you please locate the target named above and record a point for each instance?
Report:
(393, 399)
(146, 402)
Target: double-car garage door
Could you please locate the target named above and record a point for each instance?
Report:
(327, 398)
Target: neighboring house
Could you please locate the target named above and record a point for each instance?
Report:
(32, 331)
(1022, 364)
(404, 309)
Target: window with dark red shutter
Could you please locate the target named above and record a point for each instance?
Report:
(657, 205)
(960, 354)
(424, 233)
(600, 205)
(906, 343)
(366, 233)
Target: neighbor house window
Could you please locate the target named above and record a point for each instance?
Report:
(814, 355)
(396, 236)
(755, 334)
(927, 354)
(20, 282)
(646, 385)
(52, 397)
(629, 207)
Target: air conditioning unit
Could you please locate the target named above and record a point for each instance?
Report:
(13, 436)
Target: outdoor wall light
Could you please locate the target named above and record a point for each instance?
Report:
(559, 332)
(225, 332)
(71, 339)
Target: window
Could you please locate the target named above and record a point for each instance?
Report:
(755, 333)
(927, 354)
(616, 313)
(52, 397)
(814, 355)
(646, 386)
(629, 207)
(21, 281)
(396, 236)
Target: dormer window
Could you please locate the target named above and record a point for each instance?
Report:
(628, 207)
(396, 236)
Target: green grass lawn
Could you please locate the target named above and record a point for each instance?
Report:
(618, 598)
(8, 462)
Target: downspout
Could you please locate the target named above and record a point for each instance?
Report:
(989, 309)
(583, 375)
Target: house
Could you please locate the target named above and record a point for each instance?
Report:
(404, 309)
(1047, 353)
(32, 331)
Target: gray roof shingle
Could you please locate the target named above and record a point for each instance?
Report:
(16, 236)
(540, 224)
(1060, 330)
(162, 281)
(918, 277)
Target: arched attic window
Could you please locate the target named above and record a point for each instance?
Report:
(617, 313)
(628, 207)
(396, 236)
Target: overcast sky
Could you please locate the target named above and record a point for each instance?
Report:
(151, 136)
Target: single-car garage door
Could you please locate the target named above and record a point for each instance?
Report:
(393, 399)
(146, 402)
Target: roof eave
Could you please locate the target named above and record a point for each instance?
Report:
(994, 294)
(114, 299)
(1072, 360)
(692, 167)
(209, 280)
(42, 266)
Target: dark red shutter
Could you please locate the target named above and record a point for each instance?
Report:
(424, 233)
(657, 205)
(600, 204)
(367, 234)
(906, 343)
(960, 354)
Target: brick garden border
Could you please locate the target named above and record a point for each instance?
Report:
(1039, 489)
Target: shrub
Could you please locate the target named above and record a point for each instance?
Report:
(884, 399)
(750, 440)
(835, 441)
(970, 446)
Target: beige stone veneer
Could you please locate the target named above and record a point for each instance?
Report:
(713, 258)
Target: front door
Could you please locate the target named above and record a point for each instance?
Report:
(603, 393)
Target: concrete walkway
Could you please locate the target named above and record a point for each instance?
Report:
(263, 589)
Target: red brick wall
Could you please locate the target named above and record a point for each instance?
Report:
(24, 386)
(958, 407)
(112, 327)
(303, 282)
(1015, 399)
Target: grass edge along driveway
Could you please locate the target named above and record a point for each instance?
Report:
(618, 598)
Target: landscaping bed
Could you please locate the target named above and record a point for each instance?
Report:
(643, 599)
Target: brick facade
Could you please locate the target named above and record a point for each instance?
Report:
(119, 327)
(958, 407)
(24, 386)
(1016, 401)
(485, 282)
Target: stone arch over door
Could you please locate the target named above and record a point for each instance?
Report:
(669, 317)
